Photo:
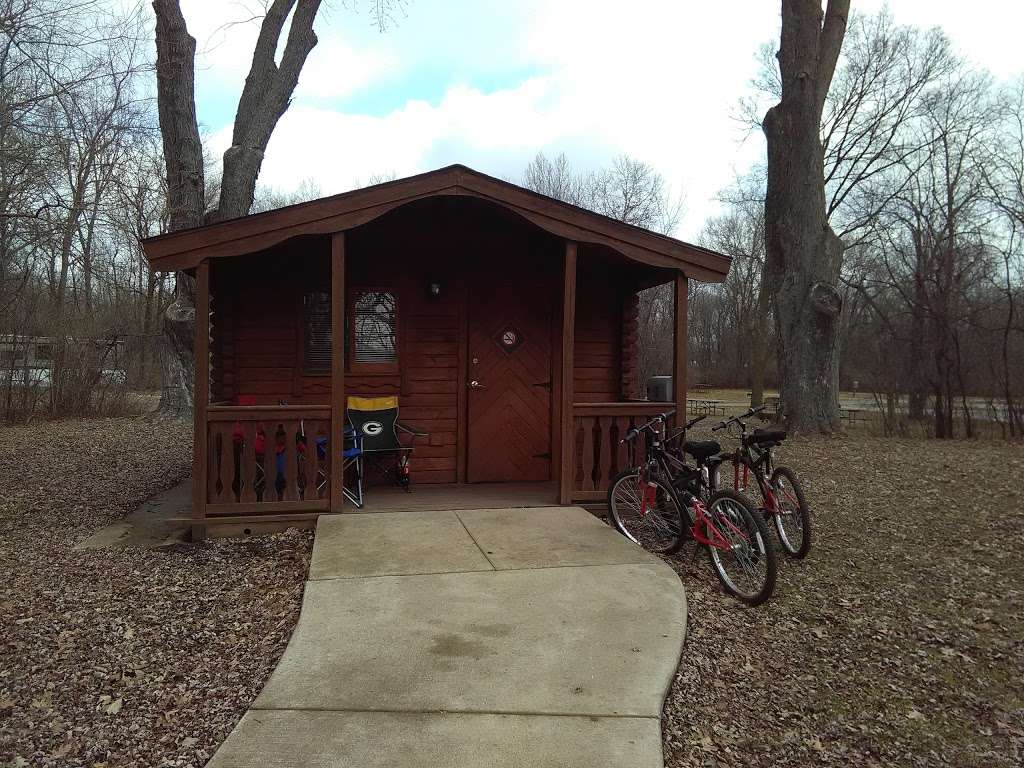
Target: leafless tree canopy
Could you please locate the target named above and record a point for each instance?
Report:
(79, 184)
(90, 163)
(922, 159)
(627, 189)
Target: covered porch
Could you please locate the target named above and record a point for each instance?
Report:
(512, 344)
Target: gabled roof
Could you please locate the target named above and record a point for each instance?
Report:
(186, 248)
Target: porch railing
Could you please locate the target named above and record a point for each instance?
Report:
(267, 456)
(597, 454)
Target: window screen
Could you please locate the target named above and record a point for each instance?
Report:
(317, 318)
(375, 323)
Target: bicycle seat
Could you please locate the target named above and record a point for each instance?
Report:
(765, 436)
(701, 449)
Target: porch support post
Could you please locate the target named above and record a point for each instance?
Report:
(200, 400)
(679, 349)
(337, 438)
(565, 476)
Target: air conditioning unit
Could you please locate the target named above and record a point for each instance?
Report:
(659, 389)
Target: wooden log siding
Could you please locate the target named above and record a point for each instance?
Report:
(598, 455)
(236, 475)
(597, 351)
(632, 387)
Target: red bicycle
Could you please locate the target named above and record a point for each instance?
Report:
(782, 496)
(648, 508)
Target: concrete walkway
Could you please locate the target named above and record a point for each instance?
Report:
(527, 637)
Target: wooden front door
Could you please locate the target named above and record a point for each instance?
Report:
(509, 378)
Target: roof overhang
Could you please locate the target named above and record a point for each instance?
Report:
(185, 249)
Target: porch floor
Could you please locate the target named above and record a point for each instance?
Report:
(428, 498)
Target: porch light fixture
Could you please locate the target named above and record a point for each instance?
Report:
(434, 288)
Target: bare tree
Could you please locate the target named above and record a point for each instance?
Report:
(743, 305)
(554, 178)
(804, 255)
(1004, 178)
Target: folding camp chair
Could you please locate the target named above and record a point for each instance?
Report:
(372, 435)
(349, 454)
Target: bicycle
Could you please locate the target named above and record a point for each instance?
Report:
(782, 496)
(647, 508)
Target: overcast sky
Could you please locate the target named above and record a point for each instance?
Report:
(489, 83)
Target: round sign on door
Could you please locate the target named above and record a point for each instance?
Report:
(509, 339)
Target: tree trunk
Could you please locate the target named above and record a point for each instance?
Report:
(803, 253)
(759, 344)
(183, 155)
(265, 97)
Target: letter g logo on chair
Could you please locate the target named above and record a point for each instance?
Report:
(372, 428)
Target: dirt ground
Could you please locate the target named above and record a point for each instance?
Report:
(126, 657)
(898, 641)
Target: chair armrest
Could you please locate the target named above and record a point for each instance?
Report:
(411, 430)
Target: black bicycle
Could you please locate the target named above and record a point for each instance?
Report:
(647, 502)
(782, 496)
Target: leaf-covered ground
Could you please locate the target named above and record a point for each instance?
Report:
(899, 641)
(126, 657)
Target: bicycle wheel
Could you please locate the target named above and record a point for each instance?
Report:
(655, 524)
(746, 566)
(792, 517)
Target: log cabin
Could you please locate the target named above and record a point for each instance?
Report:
(505, 321)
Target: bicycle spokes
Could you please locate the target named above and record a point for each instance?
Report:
(738, 551)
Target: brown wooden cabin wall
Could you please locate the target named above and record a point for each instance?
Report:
(597, 362)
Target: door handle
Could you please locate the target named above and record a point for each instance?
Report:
(474, 384)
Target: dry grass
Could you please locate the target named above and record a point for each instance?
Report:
(126, 657)
(898, 641)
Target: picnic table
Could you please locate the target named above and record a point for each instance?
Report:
(847, 413)
(704, 405)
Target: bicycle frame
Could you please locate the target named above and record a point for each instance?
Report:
(753, 458)
(758, 462)
(703, 530)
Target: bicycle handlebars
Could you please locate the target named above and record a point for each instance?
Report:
(737, 419)
(634, 431)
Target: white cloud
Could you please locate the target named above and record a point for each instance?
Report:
(657, 79)
(339, 70)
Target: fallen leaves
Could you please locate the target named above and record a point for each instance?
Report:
(899, 641)
(126, 657)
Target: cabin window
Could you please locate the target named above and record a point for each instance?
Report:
(374, 330)
(316, 316)
(371, 329)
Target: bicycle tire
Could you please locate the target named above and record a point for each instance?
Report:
(754, 553)
(663, 533)
(801, 515)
